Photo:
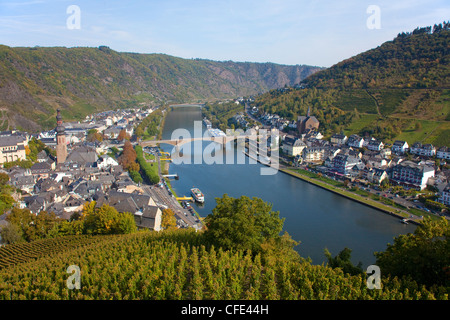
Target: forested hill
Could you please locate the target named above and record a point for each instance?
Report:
(418, 59)
(34, 82)
(385, 92)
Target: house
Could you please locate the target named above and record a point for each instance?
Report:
(41, 170)
(355, 141)
(400, 147)
(443, 153)
(375, 175)
(112, 132)
(375, 145)
(105, 161)
(314, 154)
(312, 134)
(42, 156)
(412, 175)
(343, 163)
(12, 148)
(149, 218)
(445, 196)
(146, 213)
(377, 162)
(25, 183)
(73, 203)
(293, 146)
(82, 155)
(423, 149)
(385, 153)
(338, 139)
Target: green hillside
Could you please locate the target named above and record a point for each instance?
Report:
(34, 82)
(401, 80)
(179, 265)
(240, 254)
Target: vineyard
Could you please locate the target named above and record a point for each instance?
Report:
(23, 252)
(172, 266)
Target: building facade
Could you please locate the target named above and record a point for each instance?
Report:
(419, 149)
(400, 146)
(308, 123)
(443, 153)
(12, 148)
(412, 175)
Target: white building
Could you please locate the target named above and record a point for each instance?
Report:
(400, 146)
(375, 145)
(293, 146)
(412, 175)
(355, 141)
(12, 148)
(445, 198)
(423, 149)
(315, 154)
(443, 153)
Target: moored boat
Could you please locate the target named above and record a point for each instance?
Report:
(198, 195)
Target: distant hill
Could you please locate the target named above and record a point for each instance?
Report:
(403, 79)
(419, 59)
(34, 82)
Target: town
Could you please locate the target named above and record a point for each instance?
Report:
(400, 171)
(75, 168)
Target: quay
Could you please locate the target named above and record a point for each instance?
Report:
(368, 202)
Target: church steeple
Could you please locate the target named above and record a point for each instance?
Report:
(61, 147)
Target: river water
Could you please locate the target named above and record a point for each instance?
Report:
(317, 218)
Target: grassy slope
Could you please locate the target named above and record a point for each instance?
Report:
(36, 81)
(403, 81)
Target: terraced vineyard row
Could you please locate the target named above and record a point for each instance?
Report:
(24, 252)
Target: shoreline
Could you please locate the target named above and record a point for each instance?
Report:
(323, 185)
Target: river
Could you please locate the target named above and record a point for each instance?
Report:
(317, 218)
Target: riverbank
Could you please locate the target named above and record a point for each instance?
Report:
(355, 197)
(348, 194)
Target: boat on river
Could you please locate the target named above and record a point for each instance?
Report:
(198, 195)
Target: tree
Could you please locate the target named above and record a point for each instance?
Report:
(135, 176)
(107, 220)
(243, 223)
(123, 135)
(128, 157)
(423, 256)
(11, 234)
(32, 227)
(168, 220)
(343, 261)
(93, 135)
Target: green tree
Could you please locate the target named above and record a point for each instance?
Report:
(423, 256)
(94, 135)
(243, 223)
(343, 261)
(11, 234)
(107, 220)
(168, 220)
(32, 227)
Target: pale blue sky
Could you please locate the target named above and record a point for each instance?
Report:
(315, 32)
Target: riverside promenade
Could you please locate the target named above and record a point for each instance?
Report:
(398, 213)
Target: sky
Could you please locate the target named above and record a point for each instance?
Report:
(292, 32)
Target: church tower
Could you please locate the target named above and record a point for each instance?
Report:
(61, 146)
